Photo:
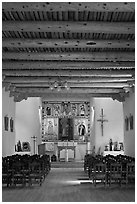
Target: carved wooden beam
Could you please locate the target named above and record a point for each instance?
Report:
(87, 79)
(67, 26)
(69, 6)
(93, 56)
(63, 65)
(72, 90)
(79, 84)
(73, 43)
(59, 73)
(59, 96)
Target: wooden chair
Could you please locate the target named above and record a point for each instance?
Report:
(99, 173)
(6, 174)
(115, 173)
(130, 173)
(18, 173)
(36, 174)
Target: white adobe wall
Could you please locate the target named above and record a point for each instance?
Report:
(8, 137)
(129, 136)
(28, 121)
(113, 111)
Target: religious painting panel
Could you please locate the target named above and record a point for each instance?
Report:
(81, 129)
(48, 109)
(83, 109)
(49, 146)
(50, 128)
(74, 109)
(66, 109)
(65, 128)
(56, 110)
(25, 146)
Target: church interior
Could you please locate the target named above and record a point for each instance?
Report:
(68, 101)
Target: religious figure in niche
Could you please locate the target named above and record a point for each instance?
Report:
(50, 128)
(82, 110)
(81, 129)
(48, 110)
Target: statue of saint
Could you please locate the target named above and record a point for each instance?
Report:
(81, 129)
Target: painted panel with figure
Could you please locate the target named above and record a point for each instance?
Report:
(81, 129)
(65, 128)
(50, 129)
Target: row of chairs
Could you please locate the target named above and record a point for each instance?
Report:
(110, 169)
(25, 169)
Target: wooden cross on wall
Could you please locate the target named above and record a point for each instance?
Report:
(102, 120)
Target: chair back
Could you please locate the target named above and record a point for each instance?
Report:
(115, 168)
(131, 168)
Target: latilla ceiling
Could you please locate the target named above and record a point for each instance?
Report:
(89, 45)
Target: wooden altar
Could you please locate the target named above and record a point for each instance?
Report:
(66, 146)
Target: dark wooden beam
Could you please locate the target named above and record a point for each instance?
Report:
(69, 6)
(72, 79)
(62, 65)
(67, 26)
(59, 73)
(76, 84)
(78, 56)
(71, 90)
(54, 43)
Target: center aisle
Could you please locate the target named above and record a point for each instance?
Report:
(67, 185)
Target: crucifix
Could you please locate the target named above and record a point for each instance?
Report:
(102, 120)
(34, 140)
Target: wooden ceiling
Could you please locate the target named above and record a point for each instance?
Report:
(90, 45)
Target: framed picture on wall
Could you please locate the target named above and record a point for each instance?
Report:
(126, 123)
(11, 124)
(131, 122)
(6, 123)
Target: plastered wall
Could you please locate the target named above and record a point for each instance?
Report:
(129, 135)
(8, 137)
(113, 111)
(28, 122)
